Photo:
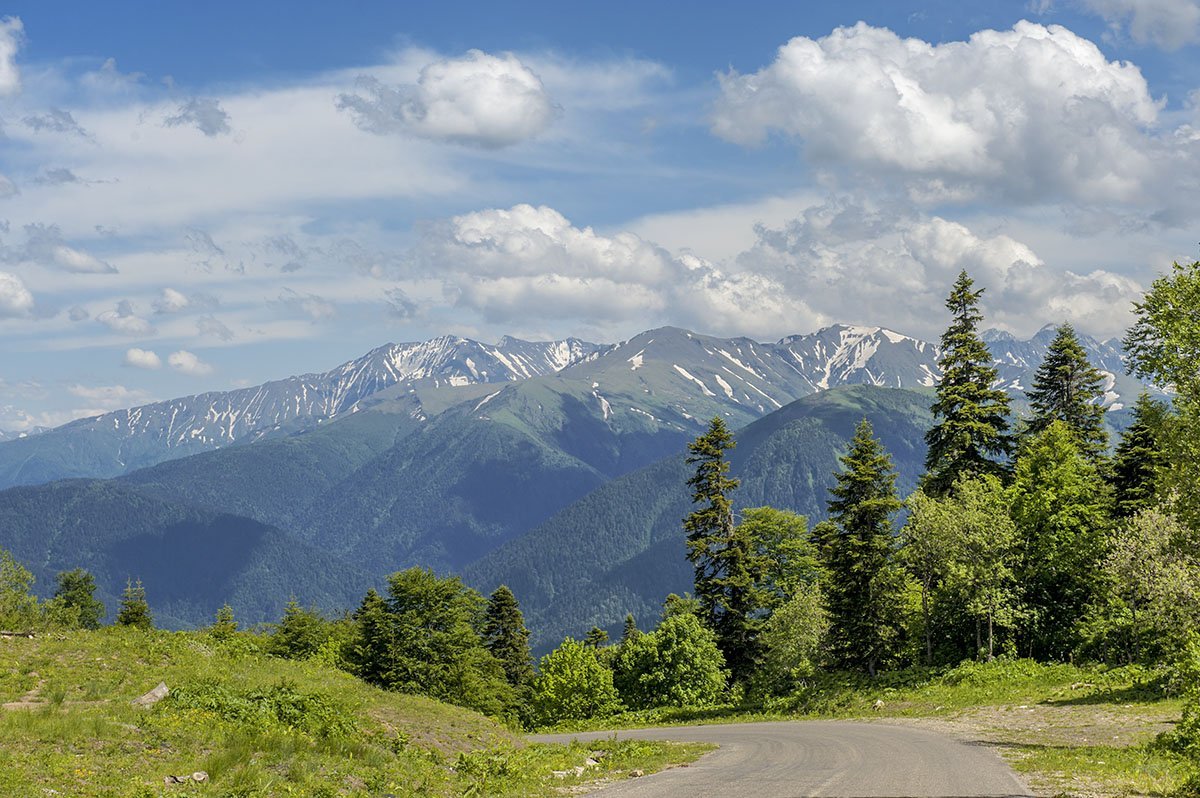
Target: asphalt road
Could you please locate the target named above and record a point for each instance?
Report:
(818, 759)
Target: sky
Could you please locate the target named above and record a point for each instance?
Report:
(203, 196)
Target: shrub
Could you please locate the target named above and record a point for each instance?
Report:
(281, 706)
(677, 665)
(572, 685)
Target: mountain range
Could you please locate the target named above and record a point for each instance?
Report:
(554, 467)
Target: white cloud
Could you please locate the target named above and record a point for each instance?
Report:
(142, 359)
(531, 262)
(123, 320)
(203, 113)
(1169, 24)
(104, 398)
(171, 301)
(188, 363)
(15, 299)
(56, 120)
(1028, 113)
(890, 266)
(45, 245)
(12, 32)
(479, 99)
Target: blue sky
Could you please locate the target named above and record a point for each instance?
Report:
(201, 196)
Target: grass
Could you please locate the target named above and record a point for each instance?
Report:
(259, 726)
(1067, 730)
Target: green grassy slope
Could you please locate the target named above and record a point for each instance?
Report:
(258, 727)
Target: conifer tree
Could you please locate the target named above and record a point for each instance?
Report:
(373, 639)
(970, 432)
(505, 635)
(1139, 457)
(865, 587)
(630, 629)
(1066, 388)
(727, 568)
(225, 625)
(595, 638)
(135, 610)
(76, 594)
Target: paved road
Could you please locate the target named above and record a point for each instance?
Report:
(818, 759)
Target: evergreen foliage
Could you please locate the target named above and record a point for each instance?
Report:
(426, 638)
(135, 610)
(677, 665)
(1067, 388)
(225, 625)
(572, 684)
(1139, 458)
(727, 567)
(865, 588)
(1060, 506)
(970, 431)
(595, 638)
(75, 601)
(300, 633)
(630, 629)
(505, 635)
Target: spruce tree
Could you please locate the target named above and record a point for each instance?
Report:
(727, 568)
(505, 635)
(225, 626)
(970, 432)
(630, 630)
(76, 592)
(135, 610)
(1138, 459)
(373, 639)
(1066, 388)
(865, 587)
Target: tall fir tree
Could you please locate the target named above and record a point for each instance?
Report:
(374, 637)
(1139, 458)
(865, 586)
(1067, 388)
(505, 635)
(727, 568)
(135, 610)
(970, 432)
(630, 629)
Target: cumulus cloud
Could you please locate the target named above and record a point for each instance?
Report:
(56, 120)
(78, 313)
(15, 299)
(892, 266)
(1030, 113)
(142, 359)
(124, 320)
(204, 114)
(479, 99)
(400, 304)
(8, 188)
(1169, 24)
(511, 264)
(104, 398)
(45, 245)
(12, 33)
(171, 301)
(187, 363)
(839, 261)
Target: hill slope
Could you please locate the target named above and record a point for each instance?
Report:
(620, 549)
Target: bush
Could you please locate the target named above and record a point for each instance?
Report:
(677, 665)
(279, 706)
(572, 685)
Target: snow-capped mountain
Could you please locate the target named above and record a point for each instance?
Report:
(124, 440)
(666, 378)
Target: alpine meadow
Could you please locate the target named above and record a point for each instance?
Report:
(840, 436)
